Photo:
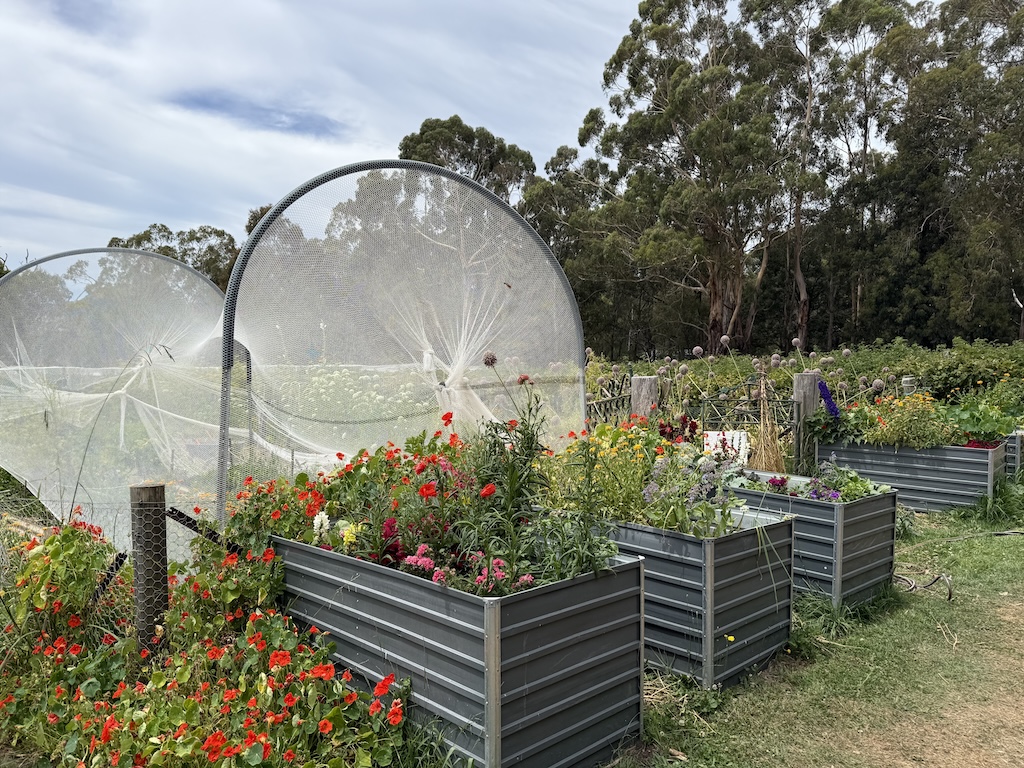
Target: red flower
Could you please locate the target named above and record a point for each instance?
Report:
(447, 419)
(395, 713)
(215, 653)
(487, 490)
(350, 697)
(375, 707)
(512, 423)
(268, 555)
(288, 756)
(52, 718)
(280, 659)
(290, 699)
(75, 649)
(420, 466)
(74, 620)
(325, 726)
(384, 686)
(429, 490)
(323, 671)
(181, 730)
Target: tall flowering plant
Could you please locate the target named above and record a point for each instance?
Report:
(468, 513)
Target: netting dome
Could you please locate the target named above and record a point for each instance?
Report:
(110, 369)
(364, 303)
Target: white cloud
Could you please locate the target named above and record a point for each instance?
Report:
(122, 113)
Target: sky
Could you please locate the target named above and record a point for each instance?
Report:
(118, 114)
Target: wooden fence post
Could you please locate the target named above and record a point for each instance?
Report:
(643, 394)
(149, 559)
(806, 398)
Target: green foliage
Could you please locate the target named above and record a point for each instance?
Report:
(1005, 507)
(224, 682)
(475, 515)
(206, 249)
(830, 482)
(474, 152)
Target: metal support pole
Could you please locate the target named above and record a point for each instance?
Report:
(149, 559)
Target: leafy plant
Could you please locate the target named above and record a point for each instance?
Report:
(472, 514)
(830, 482)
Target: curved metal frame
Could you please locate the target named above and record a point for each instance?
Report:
(80, 251)
(235, 280)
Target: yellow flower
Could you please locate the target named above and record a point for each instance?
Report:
(730, 638)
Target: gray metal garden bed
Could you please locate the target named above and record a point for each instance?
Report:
(842, 550)
(547, 677)
(926, 479)
(701, 592)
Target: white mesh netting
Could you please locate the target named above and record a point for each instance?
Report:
(366, 301)
(110, 368)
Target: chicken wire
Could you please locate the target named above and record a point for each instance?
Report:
(110, 377)
(360, 310)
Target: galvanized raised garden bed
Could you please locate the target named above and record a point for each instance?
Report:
(547, 677)
(926, 479)
(842, 550)
(698, 593)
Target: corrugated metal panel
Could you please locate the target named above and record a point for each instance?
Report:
(928, 479)
(1013, 452)
(698, 592)
(845, 551)
(547, 677)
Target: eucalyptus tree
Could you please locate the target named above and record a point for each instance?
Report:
(960, 200)
(207, 249)
(691, 130)
(474, 152)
